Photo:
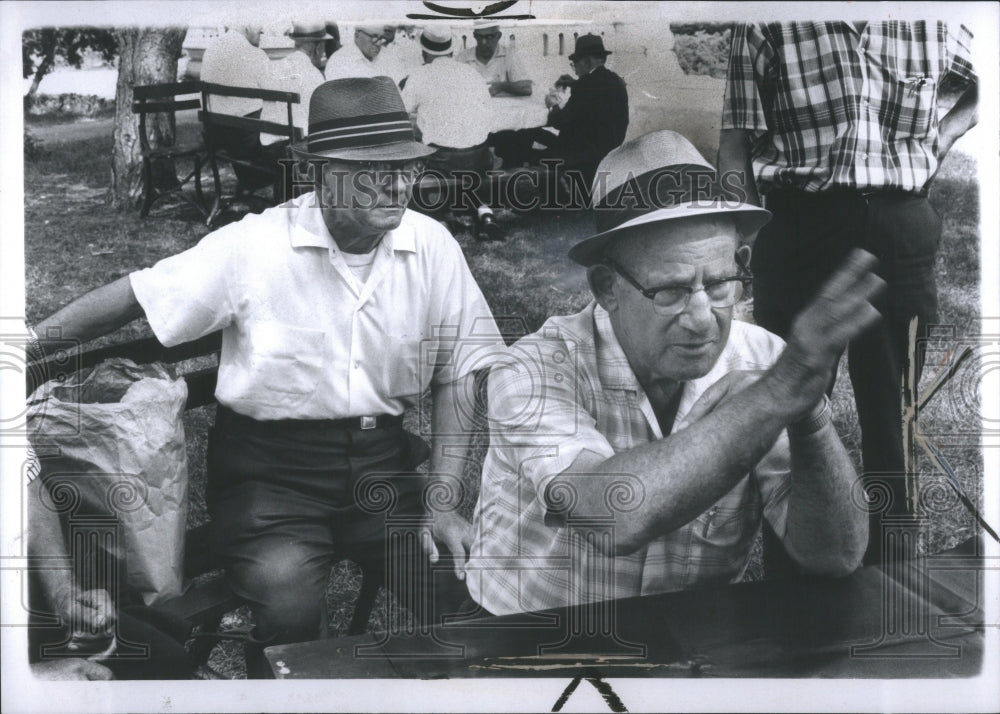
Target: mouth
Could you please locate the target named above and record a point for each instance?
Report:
(694, 348)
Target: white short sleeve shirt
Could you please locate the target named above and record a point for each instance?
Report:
(452, 104)
(233, 61)
(301, 337)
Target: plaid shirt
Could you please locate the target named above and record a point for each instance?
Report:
(829, 107)
(569, 388)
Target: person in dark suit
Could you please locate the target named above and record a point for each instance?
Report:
(591, 123)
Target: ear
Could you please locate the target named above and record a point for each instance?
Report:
(743, 256)
(602, 284)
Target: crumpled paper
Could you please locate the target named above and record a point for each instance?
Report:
(120, 440)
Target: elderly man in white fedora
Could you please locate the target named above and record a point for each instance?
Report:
(338, 309)
(357, 58)
(498, 64)
(711, 424)
(449, 102)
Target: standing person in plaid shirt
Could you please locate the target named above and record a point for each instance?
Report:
(712, 424)
(837, 125)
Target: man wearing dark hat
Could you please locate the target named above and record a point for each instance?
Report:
(654, 406)
(337, 310)
(591, 123)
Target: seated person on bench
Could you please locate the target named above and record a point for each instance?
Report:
(236, 60)
(337, 311)
(297, 72)
(450, 103)
(590, 124)
(654, 390)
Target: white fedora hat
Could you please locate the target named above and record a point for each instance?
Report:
(655, 178)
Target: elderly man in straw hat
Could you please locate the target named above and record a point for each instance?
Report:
(706, 424)
(337, 310)
(457, 129)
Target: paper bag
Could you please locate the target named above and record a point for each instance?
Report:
(116, 436)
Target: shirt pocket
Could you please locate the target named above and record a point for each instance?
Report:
(284, 360)
(915, 99)
(403, 373)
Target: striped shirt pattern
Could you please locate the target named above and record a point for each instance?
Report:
(830, 107)
(568, 389)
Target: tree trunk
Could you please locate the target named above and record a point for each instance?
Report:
(147, 56)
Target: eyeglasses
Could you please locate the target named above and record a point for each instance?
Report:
(375, 39)
(674, 299)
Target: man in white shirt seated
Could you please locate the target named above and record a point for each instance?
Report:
(357, 58)
(297, 72)
(338, 309)
(498, 64)
(449, 102)
(235, 60)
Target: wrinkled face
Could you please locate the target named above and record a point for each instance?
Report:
(691, 253)
(486, 43)
(363, 200)
(370, 44)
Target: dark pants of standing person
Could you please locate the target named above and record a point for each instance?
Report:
(515, 148)
(282, 498)
(808, 238)
(446, 161)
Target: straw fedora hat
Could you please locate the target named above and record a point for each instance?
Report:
(309, 31)
(435, 41)
(359, 119)
(656, 178)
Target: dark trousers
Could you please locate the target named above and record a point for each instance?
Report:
(514, 147)
(446, 161)
(283, 503)
(805, 242)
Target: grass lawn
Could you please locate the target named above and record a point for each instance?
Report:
(74, 242)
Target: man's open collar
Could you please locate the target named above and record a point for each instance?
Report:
(612, 365)
(310, 231)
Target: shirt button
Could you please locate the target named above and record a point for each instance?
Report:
(864, 157)
(357, 364)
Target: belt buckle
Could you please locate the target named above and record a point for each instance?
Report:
(367, 422)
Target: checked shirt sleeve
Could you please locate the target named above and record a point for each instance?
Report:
(960, 55)
(742, 107)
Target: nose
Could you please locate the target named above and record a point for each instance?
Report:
(698, 316)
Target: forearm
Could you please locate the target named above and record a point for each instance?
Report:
(520, 88)
(684, 474)
(97, 313)
(826, 532)
(452, 437)
(960, 118)
(736, 164)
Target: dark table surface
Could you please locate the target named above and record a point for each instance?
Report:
(919, 619)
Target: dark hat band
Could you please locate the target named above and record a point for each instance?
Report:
(352, 132)
(653, 190)
(433, 46)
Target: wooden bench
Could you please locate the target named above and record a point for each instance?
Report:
(207, 600)
(235, 140)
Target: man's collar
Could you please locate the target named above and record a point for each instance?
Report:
(612, 365)
(310, 231)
